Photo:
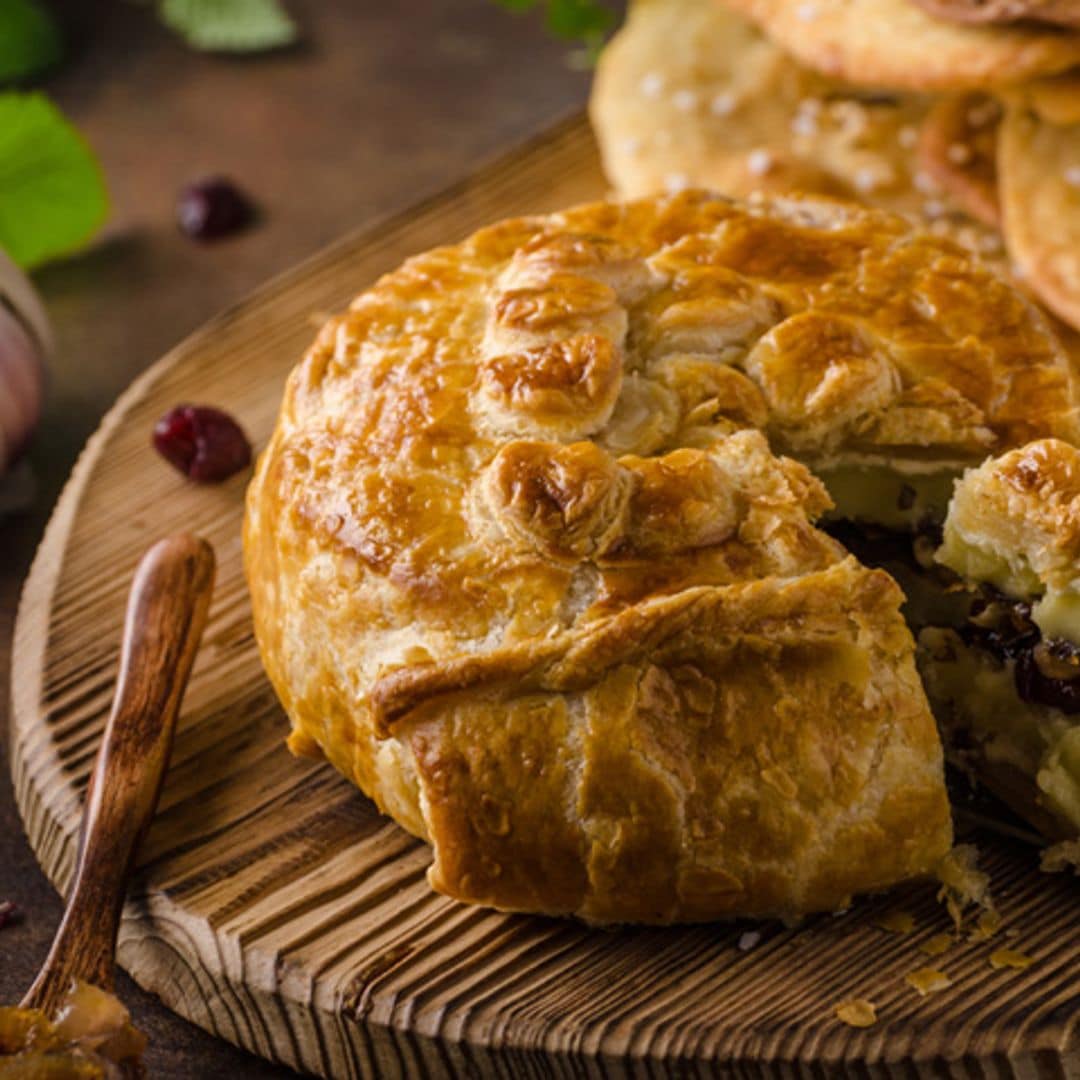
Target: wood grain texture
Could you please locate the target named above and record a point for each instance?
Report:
(275, 907)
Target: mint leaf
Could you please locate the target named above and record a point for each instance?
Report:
(29, 40)
(229, 25)
(52, 194)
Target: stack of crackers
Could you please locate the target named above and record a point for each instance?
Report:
(960, 114)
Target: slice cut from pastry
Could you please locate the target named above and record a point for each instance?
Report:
(525, 567)
(895, 44)
(1005, 679)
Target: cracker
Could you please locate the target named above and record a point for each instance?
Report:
(1055, 99)
(1039, 173)
(688, 93)
(978, 12)
(896, 44)
(958, 148)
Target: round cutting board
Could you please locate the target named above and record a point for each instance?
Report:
(275, 907)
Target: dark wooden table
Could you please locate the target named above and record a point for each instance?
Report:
(383, 104)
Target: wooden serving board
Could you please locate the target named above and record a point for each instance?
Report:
(276, 908)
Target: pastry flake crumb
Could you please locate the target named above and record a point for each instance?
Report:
(1010, 958)
(858, 1013)
(937, 945)
(963, 885)
(927, 980)
(748, 940)
(896, 922)
(986, 926)
(1061, 857)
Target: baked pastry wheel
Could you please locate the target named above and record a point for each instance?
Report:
(1005, 676)
(532, 561)
(971, 131)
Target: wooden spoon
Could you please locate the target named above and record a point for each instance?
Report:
(166, 613)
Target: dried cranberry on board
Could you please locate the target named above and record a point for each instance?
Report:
(212, 208)
(204, 443)
(9, 913)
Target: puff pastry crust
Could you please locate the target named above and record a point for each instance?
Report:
(690, 93)
(524, 567)
(1020, 513)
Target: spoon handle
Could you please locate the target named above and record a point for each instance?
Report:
(166, 613)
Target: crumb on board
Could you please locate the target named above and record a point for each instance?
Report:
(986, 926)
(9, 913)
(927, 980)
(937, 945)
(896, 922)
(1060, 857)
(748, 940)
(1010, 958)
(858, 1013)
(963, 885)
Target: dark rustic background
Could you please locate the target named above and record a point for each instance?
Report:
(385, 103)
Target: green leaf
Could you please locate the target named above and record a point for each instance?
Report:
(579, 19)
(52, 193)
(29, 40)
(518, 5)
(229, 25)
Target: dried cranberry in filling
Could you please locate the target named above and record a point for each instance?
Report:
(1000, 626)
(1034, 687)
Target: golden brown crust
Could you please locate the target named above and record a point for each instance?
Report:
(1023, 509)
(815, 783)
(542, 606)
(892, 43)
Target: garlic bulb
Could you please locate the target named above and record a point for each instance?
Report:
(24, 343)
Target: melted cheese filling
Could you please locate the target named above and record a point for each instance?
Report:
(882, 496)
(969, 691)
(1056, 612)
